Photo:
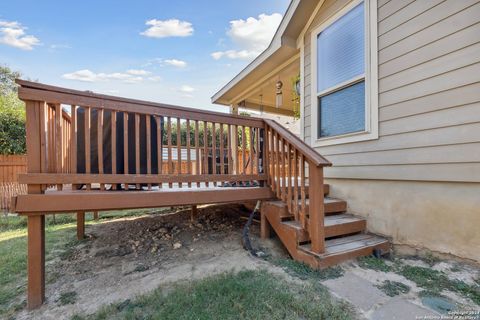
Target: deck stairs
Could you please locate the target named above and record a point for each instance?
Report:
(345, 233)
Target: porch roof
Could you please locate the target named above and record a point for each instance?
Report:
(254, 86)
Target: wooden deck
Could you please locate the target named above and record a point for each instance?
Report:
(91, 152)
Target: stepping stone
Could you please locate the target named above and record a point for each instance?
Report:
(402, 309)
(358, 291)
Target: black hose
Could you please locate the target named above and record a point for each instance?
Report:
(247, 245)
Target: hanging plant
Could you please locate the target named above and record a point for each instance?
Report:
(296, 96)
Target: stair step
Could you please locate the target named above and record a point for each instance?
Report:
(336, 225)
(341, 249)
(332, 206)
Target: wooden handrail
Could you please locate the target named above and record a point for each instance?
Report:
(312, 156)
(41, 92)
(288, 159)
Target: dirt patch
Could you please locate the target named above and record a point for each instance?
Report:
(127, 257)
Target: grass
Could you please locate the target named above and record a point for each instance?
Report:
(304, 272)
(377, 264)
(393, 288)
(245, 295)
(60, 240)
(434, 282)
(67, 298)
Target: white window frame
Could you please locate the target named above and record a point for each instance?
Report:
(370, 76)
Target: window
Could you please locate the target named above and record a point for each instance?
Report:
(344, 76)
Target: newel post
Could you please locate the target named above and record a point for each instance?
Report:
(316, 208)
(35, 110)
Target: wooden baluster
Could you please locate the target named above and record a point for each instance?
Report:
(282, 169)
(113, 124)
(169, 146)
(252, 153)
(277, 166)
(197, 153)
(258, 144)
(316, 208)
(214, 152)
(100, 144)
(43, 139)
(302, 191)
(125, 146)
(87, 143)
(59, 141)
(268, 155)
(235, 151)
(189, 166)
(205, 149)
(179, 150)
(137, 146)
(295, 182)
(289, 178)
(149, 147)
(159, 146)
(229, 150)
(222, 151)
(244, 151)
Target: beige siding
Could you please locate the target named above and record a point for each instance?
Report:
(429, 94)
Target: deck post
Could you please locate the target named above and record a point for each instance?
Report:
(265, 228)
(193, 213)
(95, 215)
(80, 225)
(36, 261)
(316, 208)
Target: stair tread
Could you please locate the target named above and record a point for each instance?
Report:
(346, 244)
(329, 220)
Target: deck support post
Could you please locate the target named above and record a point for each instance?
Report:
(36, 261)
(193, 213)
(80, 225)
(316, 208)
(265, 228)
(95, 215)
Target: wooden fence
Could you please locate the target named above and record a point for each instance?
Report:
(10, 167)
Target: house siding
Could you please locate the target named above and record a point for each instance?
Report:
(429, 94)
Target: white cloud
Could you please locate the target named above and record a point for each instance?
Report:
(168, 28)
(251, 36)
(138, 72)
(176, 63)
(12, 33)
(187, 89)
(130, 76)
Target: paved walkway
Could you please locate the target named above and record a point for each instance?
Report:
(372, 303)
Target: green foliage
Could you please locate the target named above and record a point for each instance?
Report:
(371, 262)
(393, 288)
(244, 295)
(304, 272)
(12, 115)
(434, 281)
(67, 298)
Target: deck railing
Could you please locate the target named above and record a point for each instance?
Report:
(293, 167)
(115, 143)
(86, 141)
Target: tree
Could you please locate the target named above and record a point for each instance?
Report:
(12, 115)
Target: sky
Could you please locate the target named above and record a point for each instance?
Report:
(178, 52)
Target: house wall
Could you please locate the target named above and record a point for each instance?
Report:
(419, 182)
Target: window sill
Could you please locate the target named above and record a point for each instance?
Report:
(345, 138)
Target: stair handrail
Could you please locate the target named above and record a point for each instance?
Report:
(286, 158)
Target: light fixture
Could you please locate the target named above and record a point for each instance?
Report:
(279, 94)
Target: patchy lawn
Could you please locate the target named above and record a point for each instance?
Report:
(60, 239)
(242, 295)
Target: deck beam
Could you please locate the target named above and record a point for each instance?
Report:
(74, 201)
